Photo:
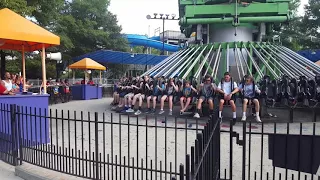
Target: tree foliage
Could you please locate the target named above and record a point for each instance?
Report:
(18, 6)
(87, 26)
(311, 25)
(83, 26)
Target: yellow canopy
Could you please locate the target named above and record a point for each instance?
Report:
(16, 31)
(87, 63)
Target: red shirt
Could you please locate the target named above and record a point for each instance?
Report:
(90, 82)
(2, 89)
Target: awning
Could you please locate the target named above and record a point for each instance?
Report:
(107, 56)
(87, 63)
(16, 31)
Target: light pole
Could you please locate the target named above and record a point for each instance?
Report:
(162, 17)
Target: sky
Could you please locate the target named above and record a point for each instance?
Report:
(132, 14)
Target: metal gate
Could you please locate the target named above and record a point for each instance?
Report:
(8, 134)
(270, 151)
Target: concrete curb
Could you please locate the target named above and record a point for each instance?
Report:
(31, 172)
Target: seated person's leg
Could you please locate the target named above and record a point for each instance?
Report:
(148, 101)
(221, 104)
(257, 108)
(234, 110)
(199, 105)
(182, 103)
(154, 100)
(126, 100)
(163, 98)
(134, 100)
(187, 103)
(170, 100)
(117, 98)
(244, 109)
(211, 106)
(140, 99)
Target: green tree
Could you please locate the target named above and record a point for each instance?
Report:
(86, 26)
(311, 25)
(19, 6)
(290, 33)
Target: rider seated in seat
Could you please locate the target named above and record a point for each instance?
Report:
(186, 96)
(227, 88)
(206, 91)
(250, 92)
(170, 89)
(139, 96)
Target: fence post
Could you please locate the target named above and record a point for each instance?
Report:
(244, 138)
(181, 172)
(96, 136)
(231, 151)
(20, 135)
(187, 167)
(14, 143)
(291, 115)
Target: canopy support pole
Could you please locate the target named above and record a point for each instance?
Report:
(24, 69)
(44, 74)
(100, 78)
(73, 76)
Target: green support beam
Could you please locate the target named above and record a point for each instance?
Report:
(206, 65)
(259, 9)
(260, 19)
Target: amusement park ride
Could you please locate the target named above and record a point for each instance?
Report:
(233, 36)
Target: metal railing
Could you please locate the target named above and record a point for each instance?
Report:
(109, 146)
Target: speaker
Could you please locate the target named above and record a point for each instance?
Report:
(54, 56)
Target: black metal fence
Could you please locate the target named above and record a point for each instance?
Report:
(109, 146)
(270, 151)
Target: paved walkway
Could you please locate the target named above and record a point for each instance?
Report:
(7, 172)
(102, 106)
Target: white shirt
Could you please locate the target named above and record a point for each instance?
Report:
(8, 85)
(227, 87)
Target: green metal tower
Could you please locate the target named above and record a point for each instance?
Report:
(261, 15)
(231, 22)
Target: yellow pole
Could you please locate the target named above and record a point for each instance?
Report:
(73, 76)
(44, 74)
(24, 69)
(100, 78)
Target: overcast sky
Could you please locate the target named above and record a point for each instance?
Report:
(132, 14)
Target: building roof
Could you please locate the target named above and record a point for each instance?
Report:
(107, 56)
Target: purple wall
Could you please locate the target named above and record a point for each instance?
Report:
(31, 115)
(86, 92)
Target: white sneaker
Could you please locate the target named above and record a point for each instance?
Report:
(196, 115)
(170, 113)
(138, 112)
(130, 110)
(258, 119)
(244, 118)
(161, 112)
